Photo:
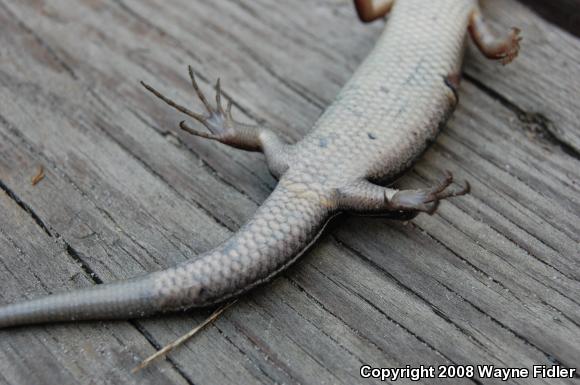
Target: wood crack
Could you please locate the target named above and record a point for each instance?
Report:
(24, 206)
(71, 252)
(534, 122)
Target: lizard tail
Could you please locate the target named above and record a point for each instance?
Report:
(276, 236)
(122, 300)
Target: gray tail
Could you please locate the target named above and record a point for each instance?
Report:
(126, 299)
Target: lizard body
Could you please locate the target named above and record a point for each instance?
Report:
(382, 120)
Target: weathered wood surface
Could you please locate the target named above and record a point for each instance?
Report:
(564, 13)
(492, 278)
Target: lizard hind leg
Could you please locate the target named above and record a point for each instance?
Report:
(503, 48)
(367, 198)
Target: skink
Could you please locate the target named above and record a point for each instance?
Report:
(381, 121)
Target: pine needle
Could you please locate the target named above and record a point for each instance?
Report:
(163, 352)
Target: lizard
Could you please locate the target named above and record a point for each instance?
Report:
(382, 120)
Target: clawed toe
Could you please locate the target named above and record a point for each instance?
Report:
(427, 200)
(513, 48)
(441, 191)
(198, 91)
(448, 193)
(195, 132)
(217, 120)
(443, 184)
(220, 126)
(173, 104)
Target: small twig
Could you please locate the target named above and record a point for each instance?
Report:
(163, 352)
(39, 176)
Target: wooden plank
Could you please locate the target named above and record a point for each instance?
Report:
(545, 102)
(493, 278)
(89, 241)
(33, 262)
(564, 13)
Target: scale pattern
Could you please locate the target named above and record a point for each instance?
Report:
(380, 123)
(396, 101)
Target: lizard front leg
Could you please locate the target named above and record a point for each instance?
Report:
(367, 10)
(364, 197)
(503, 48)
(223, 128)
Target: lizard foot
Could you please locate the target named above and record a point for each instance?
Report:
(497, 47)
(426, 200)
(223, 128)
(512, 48)
(219, 122)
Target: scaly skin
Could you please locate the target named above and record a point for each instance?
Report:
(382, 120)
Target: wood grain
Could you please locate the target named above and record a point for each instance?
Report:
(564, 13)
(492, 278)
